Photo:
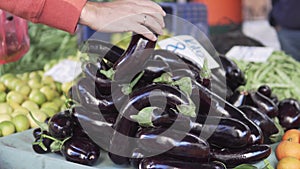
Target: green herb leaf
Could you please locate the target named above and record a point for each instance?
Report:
(277, 137)
(185, 85)
(205, 72)
(108, 73)
(164, 78)
(144, 117)
(245, 166)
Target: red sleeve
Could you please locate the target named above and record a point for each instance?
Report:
(61, 14)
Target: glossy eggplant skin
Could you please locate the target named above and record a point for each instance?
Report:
(81, 150)
(255, 99)
(235, 157)
(100, 81)
(60, 126)
(151, 95)
(217, 106)
(173, 143)
(262, 120)
(97, 126)
(38, 149)
(137, 53)
(289, 113)
(168, 163)
(86, 92)
(222, 131)
(234, 75)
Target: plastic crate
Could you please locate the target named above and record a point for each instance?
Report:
(195, 13)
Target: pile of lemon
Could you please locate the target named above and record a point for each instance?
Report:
(29, 92)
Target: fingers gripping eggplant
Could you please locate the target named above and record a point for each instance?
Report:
(160, 163)
(235, 157)
(173, 143)
(262, 120)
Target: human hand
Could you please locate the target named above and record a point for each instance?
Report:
(143, 17)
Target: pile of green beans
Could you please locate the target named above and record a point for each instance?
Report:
(281, 72)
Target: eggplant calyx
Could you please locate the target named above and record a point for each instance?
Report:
(144, 117)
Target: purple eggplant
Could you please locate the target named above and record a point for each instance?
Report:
(81, 150)
(61, 126)
(234, 157)
(289, 113)
(255, 99)
(214, 105)
(173, 143)
(133, 59)
(234, 75)
(169, 163)
(151, 95)
(262, 120)
(222, 131)
(97, 126)
(86, 94)
(102, 83)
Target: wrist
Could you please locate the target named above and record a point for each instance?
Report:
(84, 15)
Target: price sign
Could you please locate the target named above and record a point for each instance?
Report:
(189, 48)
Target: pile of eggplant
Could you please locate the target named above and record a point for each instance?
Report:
(154, 109)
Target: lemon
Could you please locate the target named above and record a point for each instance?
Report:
(49, 92)
(21, 122)
(5, 108)
(49, 111)
(5, 117)
(20, 110)
(14, 96)
(35, 83)
(2, 87)
(38, 115)
(37, 96)
(30, 105)
(24, 89)
(2, 96)
(7, 128)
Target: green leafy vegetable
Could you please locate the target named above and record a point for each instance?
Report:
(46, 44)
(144, 117)
(280, 72)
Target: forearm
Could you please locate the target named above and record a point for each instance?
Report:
(61, 14)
